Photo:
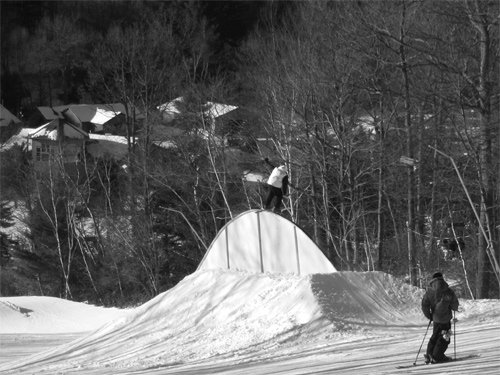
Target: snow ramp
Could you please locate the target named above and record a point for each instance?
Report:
(216, 313)
(262, 241)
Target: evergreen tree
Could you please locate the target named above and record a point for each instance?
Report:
(6, 241)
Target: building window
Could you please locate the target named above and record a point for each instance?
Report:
(43, 152)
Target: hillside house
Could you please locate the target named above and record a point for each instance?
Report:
(232, 125)
(57, 138)
(174, 115)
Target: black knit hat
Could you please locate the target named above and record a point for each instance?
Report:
(436, 275)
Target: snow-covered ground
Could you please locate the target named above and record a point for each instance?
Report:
(228, 322)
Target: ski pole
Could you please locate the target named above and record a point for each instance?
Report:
(454, 336)
(427, 330)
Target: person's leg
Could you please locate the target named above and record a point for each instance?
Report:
(442, 343)
(432, 341)
(279, 199)
(270, 196)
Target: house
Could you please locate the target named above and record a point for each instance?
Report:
(179, 109)
(57, 138)
(44, 141)
(61, 139)
(235, 126)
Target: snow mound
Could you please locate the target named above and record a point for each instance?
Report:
(366, 298)
(39, 315)
(218, 313)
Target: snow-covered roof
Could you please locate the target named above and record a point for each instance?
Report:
(109, 137)
(19, 139)
(102, 116)
(171, 107)
(97, 114)
(215, 110)
(211, 109)
(6, 117)
(50, 131)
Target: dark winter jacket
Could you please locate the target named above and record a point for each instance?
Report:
(438, 302)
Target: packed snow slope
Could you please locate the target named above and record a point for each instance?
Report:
(37, 315)
(218, 313)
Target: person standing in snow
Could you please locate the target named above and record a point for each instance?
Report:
(277, 185)
(437, 305)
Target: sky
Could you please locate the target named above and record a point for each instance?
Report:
(234, 322)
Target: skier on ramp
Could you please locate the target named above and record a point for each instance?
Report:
(277, 185)
(437, 305)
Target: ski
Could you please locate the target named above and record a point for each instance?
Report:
(440, 363)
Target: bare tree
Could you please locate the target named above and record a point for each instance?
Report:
(469, 70)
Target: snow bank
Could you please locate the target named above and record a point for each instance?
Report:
(37, 315)
(214, 313)
(350, 299)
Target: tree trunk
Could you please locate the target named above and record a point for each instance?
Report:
(480, 21)
(410, 226)
(380, 195)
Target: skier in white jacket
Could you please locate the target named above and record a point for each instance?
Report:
(278, 186)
